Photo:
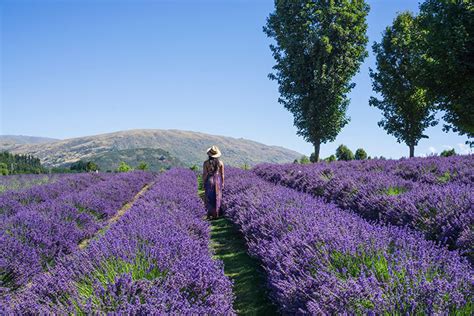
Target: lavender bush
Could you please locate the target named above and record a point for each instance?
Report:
(432, 195)
(23, 181)
(322, 260)
(155, 260)
(37, 234)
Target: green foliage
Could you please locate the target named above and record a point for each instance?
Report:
(140, 268)
(84, 166)
(245, 272)
(313, 158)
(91, 166)
(3, 169)
(320, 46)
(330, 158)
(142, 166)
(448, 152)
(16, 164)
(79, 166)
(447, 68)
(405, 107)
(445, 177)
(360, 154)
(194, 168)
(245, 166)
(304, 160)
(344, 153)
(124, 167)
(395, 191)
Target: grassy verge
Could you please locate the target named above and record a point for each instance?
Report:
(249, 280)
(229, 246)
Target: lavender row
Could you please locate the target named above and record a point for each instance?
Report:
(155, 260)
(23, 181)
(12, 201)
(444, 213)
(36, 235)
(320, 259)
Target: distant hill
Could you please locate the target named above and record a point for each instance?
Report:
(155, 158)
(8, 141)
(185, 146)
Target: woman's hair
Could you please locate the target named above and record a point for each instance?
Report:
(214, 162)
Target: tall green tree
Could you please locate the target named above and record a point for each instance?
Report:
(319, 47)
(406, 110)
(448, 67)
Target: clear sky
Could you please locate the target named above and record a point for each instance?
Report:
(76, 68)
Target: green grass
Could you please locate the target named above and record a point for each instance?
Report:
(228, 244)
(395, 190)
(249, 280)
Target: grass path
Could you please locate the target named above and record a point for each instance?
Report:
(229, 245)
(249, 281)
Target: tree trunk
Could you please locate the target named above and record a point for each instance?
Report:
(317, 146)
(412, 150)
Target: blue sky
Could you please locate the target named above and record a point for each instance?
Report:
(76, 68)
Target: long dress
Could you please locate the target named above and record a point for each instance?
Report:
(213, 191)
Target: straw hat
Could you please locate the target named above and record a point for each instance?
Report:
(213, 152)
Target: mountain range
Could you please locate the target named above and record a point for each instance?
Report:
(162, 148)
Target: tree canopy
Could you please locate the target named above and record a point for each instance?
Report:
(406, 109)
(447, 70)
(319, 48)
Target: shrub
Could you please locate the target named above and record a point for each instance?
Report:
(123, 167)
(360, 154)
(144, 166)
(304, 160)
(448, 152)
(344, 153)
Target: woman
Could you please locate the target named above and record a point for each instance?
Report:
(213, 179)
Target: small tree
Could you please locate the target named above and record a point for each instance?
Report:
(3, 169)
(304, 160)
(344, 153)
(448, 152)
(194, 168)
(330, 158)
(78, 166)
(91, 166)
(360, 154)
(143, 166)
(124, 167)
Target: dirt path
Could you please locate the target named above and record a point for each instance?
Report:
(83, 244)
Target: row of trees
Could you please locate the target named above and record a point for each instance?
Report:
(424, 65)
(90, 166)
(16, 164)
(342, 153)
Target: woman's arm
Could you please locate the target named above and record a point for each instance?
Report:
(204, 173)
(222, 174)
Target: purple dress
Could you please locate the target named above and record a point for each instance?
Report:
(213, 190)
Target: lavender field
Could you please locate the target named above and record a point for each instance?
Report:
(362, 237)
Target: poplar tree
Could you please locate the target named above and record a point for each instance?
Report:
(319, 46)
